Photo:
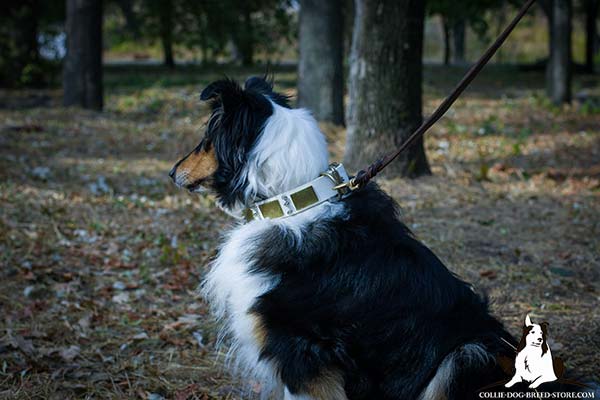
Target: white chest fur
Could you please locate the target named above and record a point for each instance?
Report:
(232, 290)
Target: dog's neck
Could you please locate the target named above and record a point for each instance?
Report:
(290, 152)
(299, 199)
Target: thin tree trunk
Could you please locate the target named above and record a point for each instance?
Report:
(501, 17)
(166, 32)
(447, 48)
(247, 41)
(386, 73)
(167, 45)
(559, 66)
(591, 14)
(458, 37)
(547, 7)
(204, 53)
(82, 79)
(30, 29)
(320, 70)
(131, 20)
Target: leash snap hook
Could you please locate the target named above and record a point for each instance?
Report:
(342, 187)
(346, 187)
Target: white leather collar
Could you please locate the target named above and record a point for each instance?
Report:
(302, 197)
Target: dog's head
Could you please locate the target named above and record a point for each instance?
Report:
(254, 146)
(534, 335)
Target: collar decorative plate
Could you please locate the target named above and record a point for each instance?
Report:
(303, 197)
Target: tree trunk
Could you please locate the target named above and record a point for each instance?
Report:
(131, 20)
(320, 70)
(447, 48)
(166, 32)
(29, 29)
(386, 73)
(591, 13)
(559, 65)
(547, 7)
(244, 38)
(246, 43)
(458, 37)
(82, 80)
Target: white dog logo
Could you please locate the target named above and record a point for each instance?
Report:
(534, 362)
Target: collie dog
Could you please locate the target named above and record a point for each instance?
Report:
(325, 294)
(534, 362)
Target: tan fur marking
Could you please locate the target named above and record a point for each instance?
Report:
(259, 332)
(328, 386)
(199, 165)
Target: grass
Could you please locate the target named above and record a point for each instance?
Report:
(100, 255)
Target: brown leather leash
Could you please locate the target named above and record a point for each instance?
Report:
(365, 175)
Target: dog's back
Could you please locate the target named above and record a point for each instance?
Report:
(363, 299)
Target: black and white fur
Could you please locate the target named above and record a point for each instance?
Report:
(340, 301)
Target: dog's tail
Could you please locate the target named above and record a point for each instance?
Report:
(449, 380)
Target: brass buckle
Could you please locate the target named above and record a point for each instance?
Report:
(350, 186)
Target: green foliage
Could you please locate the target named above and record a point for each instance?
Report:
(21, 25)
(590, 107)
(541, 100)
(521, 140)
(454, 128)
(489, 126)
(171, 252)
(214, 28)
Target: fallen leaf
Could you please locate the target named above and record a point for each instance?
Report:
(68, 354)
(22, 344)
(121, 298)
(186, 392)
(141, 336)
(490, 274)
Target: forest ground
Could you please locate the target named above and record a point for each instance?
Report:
(100, 255)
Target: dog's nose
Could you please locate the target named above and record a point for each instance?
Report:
(540, 339)
(172, 173)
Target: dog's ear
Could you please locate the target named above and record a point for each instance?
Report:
(528, 321)
(225, 92)
(264, 85)
(261, 85)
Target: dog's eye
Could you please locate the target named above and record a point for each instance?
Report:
(206, 144)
